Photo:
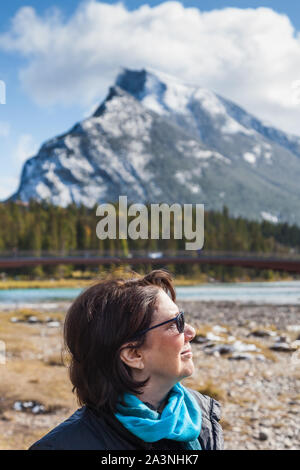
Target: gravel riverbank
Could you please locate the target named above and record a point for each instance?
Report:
(251, 363)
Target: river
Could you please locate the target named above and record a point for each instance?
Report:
(278, 293)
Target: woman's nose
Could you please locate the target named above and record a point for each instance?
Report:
(189, 332)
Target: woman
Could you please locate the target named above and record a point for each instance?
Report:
(129, 349)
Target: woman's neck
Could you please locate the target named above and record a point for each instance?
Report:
(156, 396)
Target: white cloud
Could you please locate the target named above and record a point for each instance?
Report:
(4, 129)
(26, 147)
(248, 55)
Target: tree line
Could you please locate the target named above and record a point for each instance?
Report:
(39, 227)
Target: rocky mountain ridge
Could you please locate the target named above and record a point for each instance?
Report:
(157, 139)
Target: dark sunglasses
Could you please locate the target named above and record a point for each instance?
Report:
(179, 320)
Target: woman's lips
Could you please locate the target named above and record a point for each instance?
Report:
(186, 353)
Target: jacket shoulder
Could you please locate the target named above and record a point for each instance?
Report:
(73, 433)
(211, 435)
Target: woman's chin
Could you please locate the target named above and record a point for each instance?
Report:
(189, 368)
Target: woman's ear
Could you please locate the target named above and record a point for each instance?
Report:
(132, 356)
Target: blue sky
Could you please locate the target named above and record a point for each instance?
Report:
(52, 82)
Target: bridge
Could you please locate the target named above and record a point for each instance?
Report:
(277, 262)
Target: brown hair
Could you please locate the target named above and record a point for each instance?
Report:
(98, 323)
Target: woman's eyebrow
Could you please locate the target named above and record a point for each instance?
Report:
(173, 316)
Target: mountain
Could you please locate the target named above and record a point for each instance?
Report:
(157, 139)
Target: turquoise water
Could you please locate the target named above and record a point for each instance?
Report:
(283, 292)
(278, 293)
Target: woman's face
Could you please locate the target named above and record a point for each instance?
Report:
(164, 352)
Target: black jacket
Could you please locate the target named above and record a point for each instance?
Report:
(85, 430)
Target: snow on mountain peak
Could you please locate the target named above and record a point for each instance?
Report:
(156, 90)
(165, 95)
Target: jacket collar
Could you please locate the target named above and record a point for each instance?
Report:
(114, 427)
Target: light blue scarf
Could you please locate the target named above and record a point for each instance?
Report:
(180, 419)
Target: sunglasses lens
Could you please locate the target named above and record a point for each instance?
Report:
(180, 322)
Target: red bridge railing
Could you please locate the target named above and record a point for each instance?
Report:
(283, 262)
